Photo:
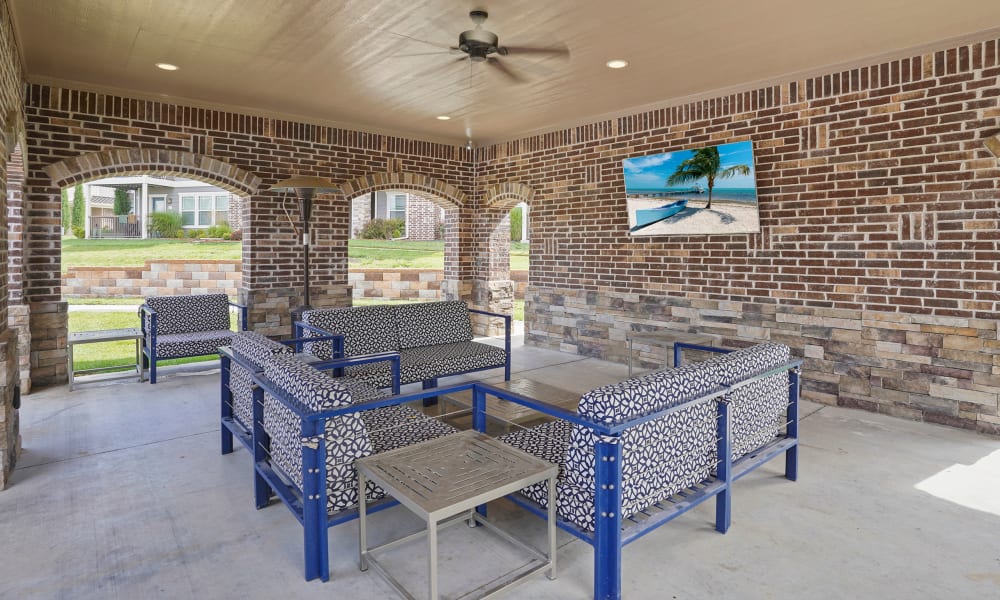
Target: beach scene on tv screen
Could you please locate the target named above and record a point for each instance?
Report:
(693, 192)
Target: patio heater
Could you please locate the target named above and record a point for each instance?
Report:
(304, 188)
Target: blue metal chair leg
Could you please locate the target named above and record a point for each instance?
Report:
(608, 528)
(226, 407)
(792, 429)
(427, 385)
(314, 526)
(723, 500)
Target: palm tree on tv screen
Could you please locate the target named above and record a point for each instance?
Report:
(705, 162)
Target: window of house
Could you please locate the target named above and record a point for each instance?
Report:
(204, 210)
(397, 206)
(159, 203)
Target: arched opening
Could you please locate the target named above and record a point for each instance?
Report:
(405, 239)
(44, 291)
(506, 210)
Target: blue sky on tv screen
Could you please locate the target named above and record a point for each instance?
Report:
(651, 172)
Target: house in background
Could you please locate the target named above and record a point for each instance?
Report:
(199, 204)
(423, 219)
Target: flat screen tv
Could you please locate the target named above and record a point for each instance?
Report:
(693, 192)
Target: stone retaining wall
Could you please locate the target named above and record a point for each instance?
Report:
(156, 278)
(410, 283)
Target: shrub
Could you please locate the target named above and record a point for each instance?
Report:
(237, 236)
(79, 232)
(383, 229)
(79, 218)
(194, 233)
(221, 230)
(227, 236)
(66, 214)
(123, 204)
(515, 224)
(165, 224)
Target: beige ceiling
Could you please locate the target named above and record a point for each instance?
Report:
(361, 62)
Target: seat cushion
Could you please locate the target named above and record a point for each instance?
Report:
(394, 427)
(431, 362)
(178, 345)
(253, 349)
(432, 323)
(366, 330)
(187, 314)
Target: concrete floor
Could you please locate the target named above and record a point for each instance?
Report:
(121, 493)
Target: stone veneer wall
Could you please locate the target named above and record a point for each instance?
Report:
(877, 259)
(156, 278)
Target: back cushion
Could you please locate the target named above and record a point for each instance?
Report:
(432, 323)
(189, 314)
(254, 349)
(659, 457)
(366, 329)
(307, 387)
(758, 409)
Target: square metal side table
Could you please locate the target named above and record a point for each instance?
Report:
(449, 477)
(96, 337)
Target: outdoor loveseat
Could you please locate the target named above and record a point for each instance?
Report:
(308, 428)
(639, 453)
(433, 339)
(182, 326)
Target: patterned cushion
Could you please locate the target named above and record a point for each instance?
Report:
(366, 330)
(758, 410)
(177, 345)
(254, 348)
(189, 314)
(393, 427)
(430, 362)
(432, 323)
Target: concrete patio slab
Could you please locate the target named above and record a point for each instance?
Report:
(121, 493)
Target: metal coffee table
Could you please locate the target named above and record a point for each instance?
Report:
(450, 477)
(101, 336)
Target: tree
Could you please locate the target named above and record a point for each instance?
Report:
(123, 204)
(705, 162)
(66, 215)
(79, 209)
(515, 224)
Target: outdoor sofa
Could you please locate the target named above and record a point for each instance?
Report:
(433, 339)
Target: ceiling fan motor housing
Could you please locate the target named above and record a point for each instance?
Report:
(478, 44)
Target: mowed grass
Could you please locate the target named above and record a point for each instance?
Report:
(362, 254)
(107, 354)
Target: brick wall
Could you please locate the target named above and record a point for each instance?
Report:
(242, 153)
(878, 256)
(11, 174)
(155, 278)
(423, 218)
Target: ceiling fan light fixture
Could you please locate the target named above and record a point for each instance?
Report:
(617, 63)
(443, 118)
(166, 66)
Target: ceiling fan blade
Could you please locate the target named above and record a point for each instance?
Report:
(503, 69)
(438, 53)
(526, 50)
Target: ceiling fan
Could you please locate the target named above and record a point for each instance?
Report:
(481, 45)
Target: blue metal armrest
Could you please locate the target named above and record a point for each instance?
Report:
(506, 335)
(336, 339)
(242, 313)
(297, 342)
(679, 347)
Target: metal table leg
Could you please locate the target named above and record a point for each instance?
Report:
(432, 558)
(362, 521)
(552, 528)
(69, 364)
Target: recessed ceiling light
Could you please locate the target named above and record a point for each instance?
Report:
(167, 66)
(443, 118)
(617, 63)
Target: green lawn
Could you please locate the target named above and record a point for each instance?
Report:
(363, 254)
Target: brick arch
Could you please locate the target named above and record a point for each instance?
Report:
(507, 195)
(143, 161)
(441, 193)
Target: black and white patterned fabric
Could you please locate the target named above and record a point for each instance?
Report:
(347, 438)
(366, 330)
(659, 458)
(431, 362)
(254, 348)
(179, 345)
(190, 314)
(758, 410)
(432, 323)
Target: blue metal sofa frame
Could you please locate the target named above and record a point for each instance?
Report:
(149, 358)
(612, 533)
(230, 426)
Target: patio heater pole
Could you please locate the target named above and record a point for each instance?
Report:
(304, 189)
